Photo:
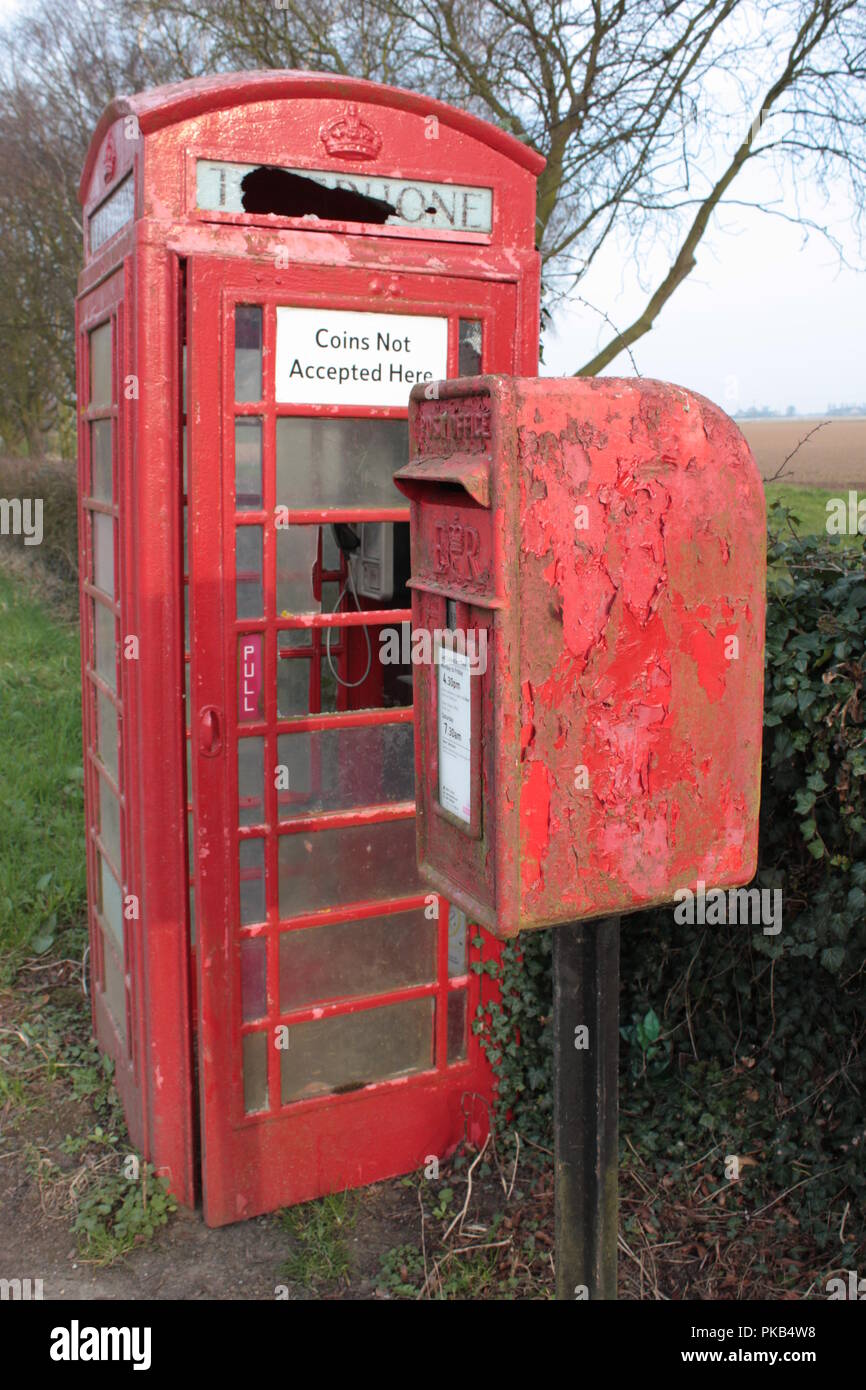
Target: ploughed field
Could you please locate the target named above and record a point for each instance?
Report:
(834, 456)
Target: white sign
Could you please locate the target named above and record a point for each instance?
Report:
(339, 357)
(453, 207)
(455, 733)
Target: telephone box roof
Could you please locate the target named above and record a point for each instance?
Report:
(180, 101)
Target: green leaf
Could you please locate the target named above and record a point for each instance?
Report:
(651, 1025)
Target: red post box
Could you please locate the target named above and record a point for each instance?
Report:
(589, 558)
(272, 260)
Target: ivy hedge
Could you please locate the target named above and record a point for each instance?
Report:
(734, 1041)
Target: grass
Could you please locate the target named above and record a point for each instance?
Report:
(92, 1179)
(111, 1199)
(477, 1274)
(809, 506)
(320, 1232)
(42, 863)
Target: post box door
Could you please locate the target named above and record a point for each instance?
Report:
(335, 993)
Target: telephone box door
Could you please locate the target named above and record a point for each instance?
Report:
(335, 993)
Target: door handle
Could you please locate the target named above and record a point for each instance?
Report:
(209, 732)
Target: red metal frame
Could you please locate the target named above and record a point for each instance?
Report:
(140, 273)
(334, 1140)
(104, 309)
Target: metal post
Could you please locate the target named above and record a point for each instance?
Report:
(585, 1051)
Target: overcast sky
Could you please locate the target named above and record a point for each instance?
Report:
(762, 320)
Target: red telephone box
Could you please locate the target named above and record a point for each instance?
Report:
(273, 260)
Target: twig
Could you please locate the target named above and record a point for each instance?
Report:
(461, 1250)
(423, 1238)
(514, 1174)
(580, 299)
(750, 1216)
(460, 1215)
(804, 440)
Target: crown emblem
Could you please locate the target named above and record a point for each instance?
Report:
(350, 137)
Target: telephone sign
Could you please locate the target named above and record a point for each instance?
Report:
(447, 206)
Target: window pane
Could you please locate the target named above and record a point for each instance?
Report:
(248, 352)
(330, 550)
(251, 781)
(100, 365)
(342, 959)
(353, 1050)
(255, 1065)
(103, 552)
(100, 460)
(248, 553)
(469, 348)
(109, 822)
(248, 465)
(295, 639)
(456, 941)
(335, 769)
(251, 861)
(294, 675)
(351, 864)
(293, 681)
(457, 1026)
(106, 716)
(253, 992)
(297, 548)
(104, 641)
(111, 903)
(333, 664)
(114, 989)
(332, 591)
(339, 463)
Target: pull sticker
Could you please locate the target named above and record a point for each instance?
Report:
(455, 733)
(250, 678)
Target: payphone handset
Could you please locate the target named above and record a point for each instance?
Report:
(369, 551)
(375, 555)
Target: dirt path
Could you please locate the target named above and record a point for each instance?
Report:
(186, 1260)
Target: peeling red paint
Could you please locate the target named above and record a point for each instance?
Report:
(625, 726)
(527, 728)
(535, 811)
